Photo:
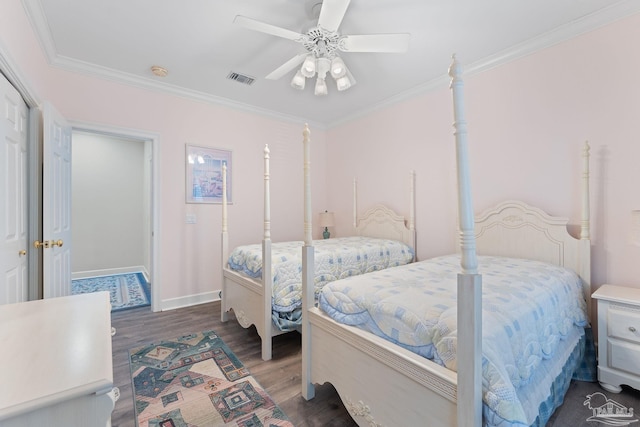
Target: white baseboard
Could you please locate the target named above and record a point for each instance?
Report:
(110, 272)
(187, 301)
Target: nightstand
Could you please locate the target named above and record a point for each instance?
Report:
(618, 337)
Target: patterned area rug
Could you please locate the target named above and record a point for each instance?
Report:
(196, 380)
(127, 290)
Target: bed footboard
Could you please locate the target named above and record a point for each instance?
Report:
(245, 297)
(380, 383)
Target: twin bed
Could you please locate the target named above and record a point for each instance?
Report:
(491, 336)
(273, 302)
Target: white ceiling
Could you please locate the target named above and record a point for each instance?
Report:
(197, 41)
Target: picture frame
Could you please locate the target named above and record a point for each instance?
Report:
(204, 174)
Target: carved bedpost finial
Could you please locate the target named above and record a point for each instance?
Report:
(267, 194)
(355, 203)
(455, 69)
(224, 197)
(585, 223)
(412, 200)
(469, 261)
(306, 140)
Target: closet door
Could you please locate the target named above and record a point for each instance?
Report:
(13, 195)
(56, 204)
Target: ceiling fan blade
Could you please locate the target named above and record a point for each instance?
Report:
(286, 67)
(263, 27)
(331, 14)
(395, 43)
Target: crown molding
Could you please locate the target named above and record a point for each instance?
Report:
(35, 15)
(580, 26)
(10, 69)
(558, 35)
(92, 70)
(38, 20)
(561, 34)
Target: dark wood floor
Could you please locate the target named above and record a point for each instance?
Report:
(281, 375)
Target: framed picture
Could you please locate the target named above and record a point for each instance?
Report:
(204, 174)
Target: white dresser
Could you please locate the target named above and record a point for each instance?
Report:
(56, 362)
(618, 337)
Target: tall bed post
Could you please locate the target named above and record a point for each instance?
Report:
(412, 209)
(224, 239)
(469, 342)
(585, 225)
(308, 297)
(355, 203)
(267, 278)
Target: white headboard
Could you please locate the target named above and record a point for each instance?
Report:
(516, 229)
(384, 223)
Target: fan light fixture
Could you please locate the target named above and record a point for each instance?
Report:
(308, 66)
(298, 81)
(322, 43)
(320, 67)
(321, 87)
(338, 69)
(343, 83)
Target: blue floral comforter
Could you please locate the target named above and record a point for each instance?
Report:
(334, 259)
(529, 309)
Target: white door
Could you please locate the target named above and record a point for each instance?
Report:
(56, 204)
(13, 194)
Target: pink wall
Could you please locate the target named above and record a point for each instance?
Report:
(527, 123)
(190, 254)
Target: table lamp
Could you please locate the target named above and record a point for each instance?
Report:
(326, 221)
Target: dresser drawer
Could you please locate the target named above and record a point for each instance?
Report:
(624, 356)
(624, 324)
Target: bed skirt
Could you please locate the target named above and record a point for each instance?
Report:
(581, 366)
(289, 321)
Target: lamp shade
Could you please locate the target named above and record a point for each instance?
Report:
(308, 66)
(338, 69)
(326, 219)
(343, 83)
(321, 87)
(298, 81)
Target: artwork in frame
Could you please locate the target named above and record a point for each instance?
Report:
(204, 174)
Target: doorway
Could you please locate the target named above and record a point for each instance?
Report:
(111, 228)
(114, 204)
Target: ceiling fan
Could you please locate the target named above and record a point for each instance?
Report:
(322, 44)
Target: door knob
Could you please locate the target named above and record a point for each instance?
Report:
(47, 244)
(22, 252)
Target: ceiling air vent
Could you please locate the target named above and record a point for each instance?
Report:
(241, 78)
